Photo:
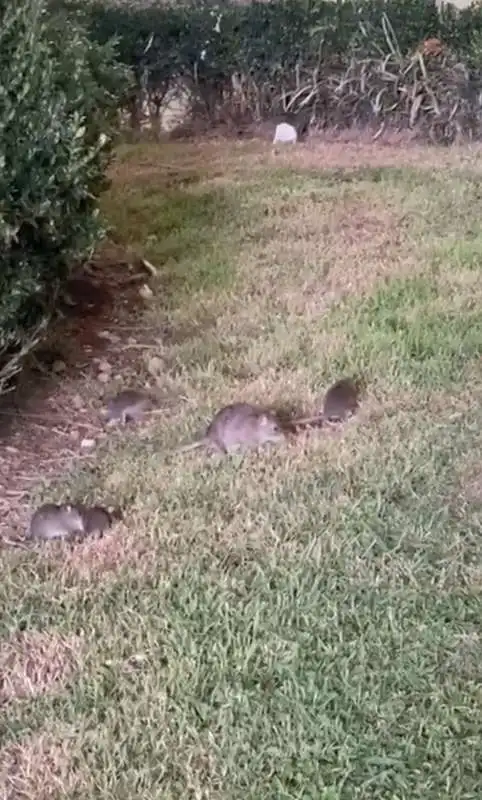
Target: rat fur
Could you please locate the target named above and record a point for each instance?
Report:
(341, 401)
(238, 426)
(97, 519)
(52, 521)
(128, 405)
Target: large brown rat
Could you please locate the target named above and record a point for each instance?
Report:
(52, 521)
(238, 426)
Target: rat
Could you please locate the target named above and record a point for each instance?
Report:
(67, 522)
(128, 405)
(340, 402)
(238, 426)
(52, 521)
(96, 518)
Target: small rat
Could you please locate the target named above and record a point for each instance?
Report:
(67, 522)
(340, 402)
(128, 405)
(238, 426)
(52, 521)
(96, 518)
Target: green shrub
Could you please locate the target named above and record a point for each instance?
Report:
(59, 94)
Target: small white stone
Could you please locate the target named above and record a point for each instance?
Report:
(146, 292)
(285, 133)
(87, 444)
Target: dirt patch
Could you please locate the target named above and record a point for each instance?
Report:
(32, 664)
(54, 410)
(42, 767)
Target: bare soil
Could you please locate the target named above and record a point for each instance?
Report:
(54, 409)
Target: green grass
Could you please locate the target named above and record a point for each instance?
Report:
(298, 623)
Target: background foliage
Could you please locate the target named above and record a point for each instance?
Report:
(301, 51)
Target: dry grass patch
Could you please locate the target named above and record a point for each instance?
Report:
(472, 488)
(33, 664)
(320, 249)
(459, 292)
(317, 155)
(42, 768)
(433, 405)
(124, 548)
(469, 480)
(216, 162)
(229, 161)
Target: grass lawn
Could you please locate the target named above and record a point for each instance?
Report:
(303, 622)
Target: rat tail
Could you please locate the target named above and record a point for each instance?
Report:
(317, 420)
(185, 448)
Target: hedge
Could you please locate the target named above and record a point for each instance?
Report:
(58, 112)
(258, 58)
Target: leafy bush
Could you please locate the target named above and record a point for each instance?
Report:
(59, 94)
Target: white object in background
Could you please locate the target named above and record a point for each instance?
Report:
(285, 133)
